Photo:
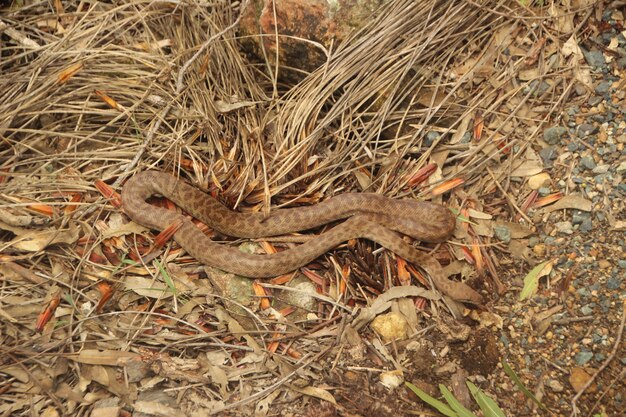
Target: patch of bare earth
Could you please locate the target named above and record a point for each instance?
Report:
(512, 115)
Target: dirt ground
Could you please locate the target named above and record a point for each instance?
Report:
(100, 316)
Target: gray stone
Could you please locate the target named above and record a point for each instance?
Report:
(594, 100)
(503, 233)
(586, 226)
(579, 216)
(564, 227)
(595, 58)
(588, 162)
(603, 87)
(583, 357)
(586, 310)
(613, 283)
(543, 191)
(431, 137)
(586, 129)
(547, 155)
(572, 146)
(553, 134)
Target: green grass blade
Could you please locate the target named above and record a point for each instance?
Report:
(167, 278)
(486, 404)
(433, 402)
(511, 373)
(454, 403)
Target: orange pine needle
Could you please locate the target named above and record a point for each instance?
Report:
(316, 278)
(73, 203)
(529, 202)
(287, 310)
(549, 199)
(48, 313)
(293, 353)
(273, 347)
(467, 254)
(109, 193)
(108, 100)
(44, 209)
(68, 73)
(283, 279)
(478, 257)
(167, 233)
(260, 292)
(345, 276)
(403, 274)
(479, 125)
(447, 186)
(422, 175)
(106, 292)
(268, 248)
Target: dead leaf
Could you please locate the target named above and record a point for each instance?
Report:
(104, 357)
(571, 201)
(147, 287)
(318, 393)
(518, 231)
(36, 240)
(383, 302)
(233, 104)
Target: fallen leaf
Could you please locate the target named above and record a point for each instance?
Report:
(571, 201)
(147, 287)
(104, 357)
(531, 281)
(319, 393)
(34, 241)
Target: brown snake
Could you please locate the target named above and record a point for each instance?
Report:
(370, 216)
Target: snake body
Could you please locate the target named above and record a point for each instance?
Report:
(368, 215)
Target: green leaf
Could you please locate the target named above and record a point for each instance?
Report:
(486, 404)
(454, 403)
(167, 278)
(511, 373)
(531, 281)
(433, 402)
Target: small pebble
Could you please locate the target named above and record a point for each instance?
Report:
(594, 100)
(613, 283)
(586, 225)
(601, 169)
(503, 233)
(553, 134)
(564, 227)
(586, 129)
(586, 310)
(548, 154)
(579, 216)
(595, 58)
(588, 162)
(603, 87)
(583, 357)
(555, 385)
(539, 249)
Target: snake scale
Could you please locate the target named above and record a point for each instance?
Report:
(368, 215)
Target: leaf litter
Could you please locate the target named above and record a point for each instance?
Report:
(456, 118)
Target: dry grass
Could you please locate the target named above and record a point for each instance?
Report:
(360, 122)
